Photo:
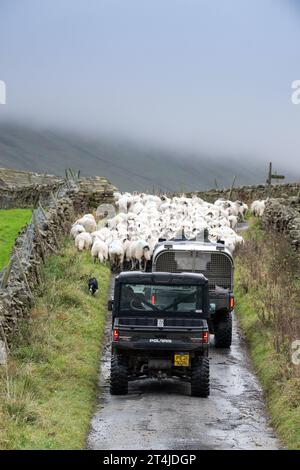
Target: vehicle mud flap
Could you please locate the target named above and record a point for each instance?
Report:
(200, 386)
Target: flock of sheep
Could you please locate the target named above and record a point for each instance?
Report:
(128, 238)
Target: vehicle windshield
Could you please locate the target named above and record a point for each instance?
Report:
(161, 298)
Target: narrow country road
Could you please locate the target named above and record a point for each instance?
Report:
(164, 416)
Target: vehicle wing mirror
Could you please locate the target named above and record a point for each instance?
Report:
(110, 305)
(212, 308)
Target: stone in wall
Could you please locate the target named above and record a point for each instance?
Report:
(3, 353)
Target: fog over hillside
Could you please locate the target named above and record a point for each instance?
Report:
(171, 94)
(129, 165)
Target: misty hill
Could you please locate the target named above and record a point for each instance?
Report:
(127, 165)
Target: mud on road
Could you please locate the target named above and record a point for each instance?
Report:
(164, 416)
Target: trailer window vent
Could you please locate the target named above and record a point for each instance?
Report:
(216, 267)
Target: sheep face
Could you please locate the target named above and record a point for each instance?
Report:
(147, 253)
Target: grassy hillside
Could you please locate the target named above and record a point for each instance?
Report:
(128, 165)
(11, 222)
(267, 303)
(49, 392)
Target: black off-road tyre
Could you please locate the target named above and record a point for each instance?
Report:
(118, 376)
(200, 378)
(223, 332)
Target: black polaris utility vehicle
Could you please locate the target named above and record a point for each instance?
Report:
(160, 330)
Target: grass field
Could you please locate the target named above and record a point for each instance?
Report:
(49, 395)
(268, 306)
(11, 222)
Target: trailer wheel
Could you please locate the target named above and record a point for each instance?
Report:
(118, 376)
(223, 332)
(200, 378)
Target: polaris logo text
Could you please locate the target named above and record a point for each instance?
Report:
(160, 340)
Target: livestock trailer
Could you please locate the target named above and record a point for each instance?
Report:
(215, 262)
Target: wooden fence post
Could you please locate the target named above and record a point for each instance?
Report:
(231, 189)
(270, 177)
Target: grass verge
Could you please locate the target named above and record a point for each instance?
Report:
(48, 399)
(268, 306)
(11, 222)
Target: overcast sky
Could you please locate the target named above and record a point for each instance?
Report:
(205, 75)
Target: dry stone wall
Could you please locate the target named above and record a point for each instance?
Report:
(20, 189)
(51, 220)
(283, 215)
(250, 193)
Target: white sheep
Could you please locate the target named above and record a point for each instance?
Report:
(76, 229)
(257, 208)
(83, 241)
(88, 222)
(99, 250)
(233, 220)
(123, 203)
(139, 253)
(116, 255)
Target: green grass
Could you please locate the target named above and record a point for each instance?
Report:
(269, 340)
(11, 222)
(48, 398)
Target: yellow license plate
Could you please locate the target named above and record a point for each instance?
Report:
(181, 360)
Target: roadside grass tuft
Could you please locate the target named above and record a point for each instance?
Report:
(11, 222)
(48, 400)
(267, 303)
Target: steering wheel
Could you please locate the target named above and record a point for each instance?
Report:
(144, 302)
(178, 301)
